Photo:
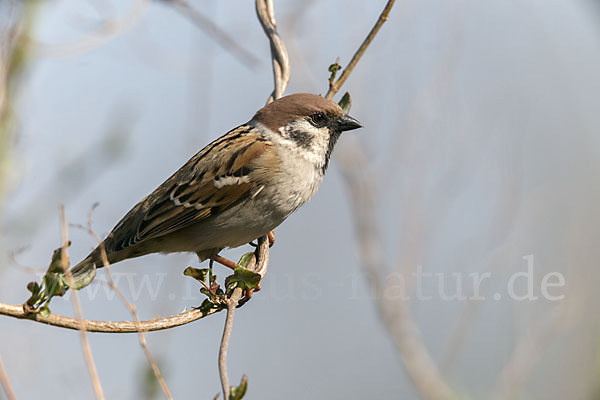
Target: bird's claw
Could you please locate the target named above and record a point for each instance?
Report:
(248, 295)
(271, 237)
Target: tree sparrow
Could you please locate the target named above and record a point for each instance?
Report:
(235, 190)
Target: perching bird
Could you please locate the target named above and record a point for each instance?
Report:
(235, 190)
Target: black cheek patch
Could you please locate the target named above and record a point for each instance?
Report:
(303, 139)
(333, 138)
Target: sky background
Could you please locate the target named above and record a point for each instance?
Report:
(481, 130)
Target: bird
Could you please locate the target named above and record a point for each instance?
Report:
(233, 191)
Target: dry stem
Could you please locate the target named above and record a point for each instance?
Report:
(182, 318)
(279, 55)
(335, 86)
(132, 309)
(85, 344)
(231, 304)
(281, 76)
(396, 316)
(5, 383)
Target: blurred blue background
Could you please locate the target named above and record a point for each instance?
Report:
(481, 136)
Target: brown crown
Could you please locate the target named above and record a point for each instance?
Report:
(289, 108)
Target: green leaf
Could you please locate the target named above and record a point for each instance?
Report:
(33, 287)
(243, 278)
(246, 259)
(206, 306)
(346, 103)
(238, 392)
(198, 274)
(334, 68)
(45, 311)
(211, 277)
(58, 265)
(54, 285)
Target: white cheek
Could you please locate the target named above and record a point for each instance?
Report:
(319, 140)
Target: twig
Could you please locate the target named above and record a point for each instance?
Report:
(528, 351)
(132, 309)
(231, 304)
(85, 344)
(406, 336)
(59, 321)
(335, 86)
(279, 55)
(396, 316)
(260, 265)
(10, 394)
(281, 76)
(219, 35)
(183, 318)
(142, 337)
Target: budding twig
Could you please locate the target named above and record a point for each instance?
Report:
(383, 17)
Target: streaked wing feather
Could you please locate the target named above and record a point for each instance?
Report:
(191, 194)
(180, 216)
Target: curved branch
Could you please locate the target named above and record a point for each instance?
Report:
(281, 76)
(335, 86)
(183, 318)
(279, 55)
(395, 315)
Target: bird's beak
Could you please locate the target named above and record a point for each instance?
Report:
(347, 123)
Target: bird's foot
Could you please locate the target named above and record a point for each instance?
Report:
(225, 261)
(271, 237)
(248, 295)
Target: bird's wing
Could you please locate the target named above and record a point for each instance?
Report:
(210, 182)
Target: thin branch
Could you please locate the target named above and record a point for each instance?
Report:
(396, 316)
(279, 55)
(419, 364)
(132, 309)
(335, 86)
(219, 35)
(528, 351)
(5, 383)
(231, 304)
(260, 265)
(85, 344)
(281, 77)
(183, 318)
(59, 321)
(142, 337)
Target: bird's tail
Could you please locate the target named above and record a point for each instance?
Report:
(83, 273)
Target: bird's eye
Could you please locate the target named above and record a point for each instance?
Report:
(318, 119)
